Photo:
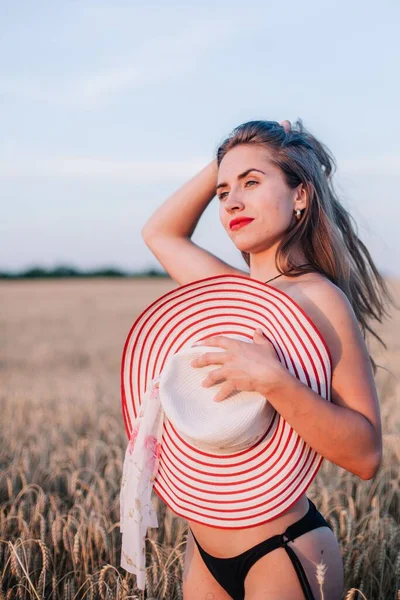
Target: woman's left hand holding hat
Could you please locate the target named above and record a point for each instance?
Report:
(245, 367)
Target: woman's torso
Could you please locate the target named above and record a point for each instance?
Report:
(225, 543)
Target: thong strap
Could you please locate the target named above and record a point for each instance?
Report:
(231, 572)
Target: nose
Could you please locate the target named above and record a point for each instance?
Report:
(233, 203)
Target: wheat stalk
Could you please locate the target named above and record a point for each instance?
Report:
(24, 570)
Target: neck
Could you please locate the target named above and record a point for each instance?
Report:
(262, 264)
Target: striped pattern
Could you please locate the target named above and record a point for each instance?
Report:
(255, 485)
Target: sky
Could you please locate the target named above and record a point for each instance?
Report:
(107, 108)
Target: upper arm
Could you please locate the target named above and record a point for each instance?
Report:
(185, 261)
(353, 384)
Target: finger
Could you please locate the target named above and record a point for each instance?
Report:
(214, 377)
(216, 340)
(209, 358)
(286, 125)
(260, 337)
(257, 332)
(225, 391)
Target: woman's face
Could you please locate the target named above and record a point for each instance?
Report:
(263, 196)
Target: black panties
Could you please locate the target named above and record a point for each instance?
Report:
(231, 572)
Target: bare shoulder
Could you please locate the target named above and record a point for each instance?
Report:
(330, 310)
(353, 384)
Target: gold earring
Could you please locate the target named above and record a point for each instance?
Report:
(298, 214)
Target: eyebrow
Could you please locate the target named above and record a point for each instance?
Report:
(240, 176)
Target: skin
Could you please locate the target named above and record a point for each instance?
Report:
(272, 204)
(266, 198)
(346, 430)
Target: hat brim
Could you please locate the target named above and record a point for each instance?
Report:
(257, 484)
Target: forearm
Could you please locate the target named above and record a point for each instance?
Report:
(180, 213)
(341, 435)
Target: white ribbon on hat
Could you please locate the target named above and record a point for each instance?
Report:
(241, 420)
(139, 471)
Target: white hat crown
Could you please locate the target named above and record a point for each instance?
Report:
(219, 427)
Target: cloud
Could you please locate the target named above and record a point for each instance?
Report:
(156, 60)
(380, 165)
(70, 167)
(107, 168)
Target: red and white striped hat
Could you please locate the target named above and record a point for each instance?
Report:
(256, 484)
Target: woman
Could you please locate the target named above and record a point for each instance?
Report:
(300, 238)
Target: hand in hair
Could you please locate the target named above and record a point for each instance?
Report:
(286, 125)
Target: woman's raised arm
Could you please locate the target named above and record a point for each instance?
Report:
(168, 231)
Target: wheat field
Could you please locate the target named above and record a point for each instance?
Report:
(63, 441)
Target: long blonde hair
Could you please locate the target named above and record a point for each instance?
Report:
(325, 231)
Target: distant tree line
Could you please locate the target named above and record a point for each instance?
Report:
(64, 271)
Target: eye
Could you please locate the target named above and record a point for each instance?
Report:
(248, 181)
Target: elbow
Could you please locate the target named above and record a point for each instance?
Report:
(145, 233)
(373, 460)
(372, 466)
(148, 237)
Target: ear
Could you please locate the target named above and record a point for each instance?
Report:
(300, 199)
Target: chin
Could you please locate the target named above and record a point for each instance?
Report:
(243, 243)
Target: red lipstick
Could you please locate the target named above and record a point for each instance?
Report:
(240, 222)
